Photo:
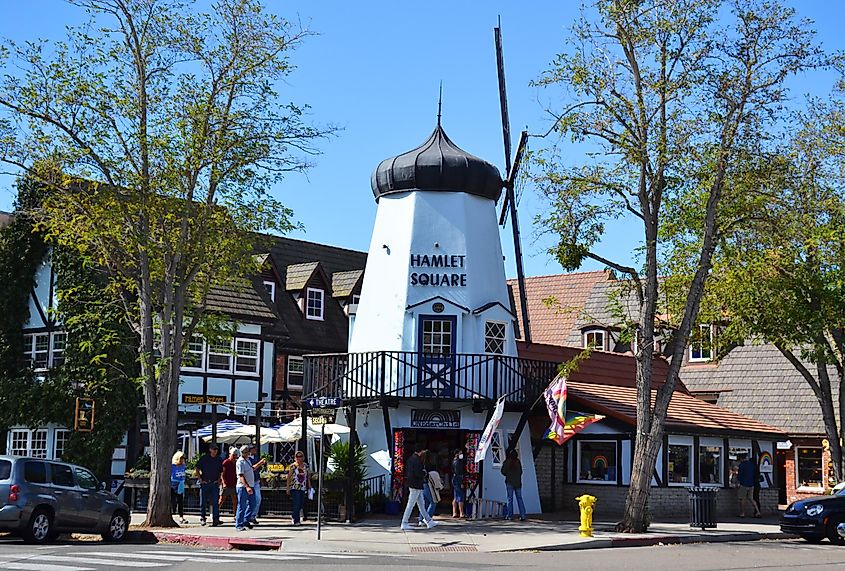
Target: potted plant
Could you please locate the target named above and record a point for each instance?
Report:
(339, 456)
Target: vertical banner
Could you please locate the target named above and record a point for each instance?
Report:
(487, 435)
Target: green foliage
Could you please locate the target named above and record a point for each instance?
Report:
(338, 454)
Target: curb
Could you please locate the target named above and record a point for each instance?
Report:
(607, 542)
(226, 543)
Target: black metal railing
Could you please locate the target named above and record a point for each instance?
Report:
(411, 375)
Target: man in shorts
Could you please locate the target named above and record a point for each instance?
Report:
(230, 480)
(746, 477)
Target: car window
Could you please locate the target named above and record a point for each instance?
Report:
(5, 469)
(35, 472)
(86, 479)
(62, 475)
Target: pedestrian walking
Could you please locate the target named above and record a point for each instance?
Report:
(246, 493)
(746, 476)
(230, 480)
(210, 475)
(416, 477)
(299, 483)
(458, 477)
(431, 490)
(257, 463)
(177, 485)
(512, 471)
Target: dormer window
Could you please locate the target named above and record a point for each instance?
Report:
(314, 301)
(701, 343)
(595, 339)
(271, 289)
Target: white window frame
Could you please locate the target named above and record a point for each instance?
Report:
(702, 358)
(321, 294)
(57, 352)
(238, 356)
(201, 353)
(503, 339)
(691, 465)
(497, 451)
(578, 462)
(294, 359)
(19, 442)
(30, 344)
(594, 331)
(270, 287)
(218, 352)
(18, 436)
(60, 435)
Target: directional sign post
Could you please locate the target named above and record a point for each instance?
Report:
(322, 409)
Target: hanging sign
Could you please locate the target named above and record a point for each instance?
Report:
(322, 415)
(189, 398)
(83, 418)
(435, 418)
(324, 402)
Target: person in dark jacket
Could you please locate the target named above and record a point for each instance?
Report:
(210, 473)
(512, 471)
(416, 476)
(458, 475)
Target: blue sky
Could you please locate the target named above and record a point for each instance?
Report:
(375, 69)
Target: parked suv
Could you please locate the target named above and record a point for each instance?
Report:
(41, 498)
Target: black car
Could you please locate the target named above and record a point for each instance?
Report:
(816, 518)
(41, 498)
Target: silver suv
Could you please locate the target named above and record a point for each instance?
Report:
(39, 499)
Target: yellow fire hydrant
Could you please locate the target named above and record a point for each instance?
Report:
(586, 503)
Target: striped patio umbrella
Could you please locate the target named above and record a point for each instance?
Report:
(222, 426)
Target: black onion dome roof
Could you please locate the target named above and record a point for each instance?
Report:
(438, 164)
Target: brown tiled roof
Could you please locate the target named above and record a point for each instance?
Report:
(686, 413)
(758, 381)
(240, 299)
(344, 282)
(554, 325)
(297, 275)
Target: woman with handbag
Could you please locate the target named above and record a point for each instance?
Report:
(299, 483)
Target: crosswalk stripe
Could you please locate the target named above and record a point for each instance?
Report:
(97, 561)
(42, 567)
(275, 556)
(198, 558)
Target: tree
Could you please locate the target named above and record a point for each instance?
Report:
(666, 96)
(779, 279)
(168, 130)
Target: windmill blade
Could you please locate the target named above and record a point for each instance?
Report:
(506, 123)
(509, 202)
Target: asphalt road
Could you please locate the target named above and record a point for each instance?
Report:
(96, 556)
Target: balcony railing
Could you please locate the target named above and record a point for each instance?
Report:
(411, 375)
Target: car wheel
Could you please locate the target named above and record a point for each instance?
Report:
(40, 527)
(118, 526)
(812, 538)
(833, 531)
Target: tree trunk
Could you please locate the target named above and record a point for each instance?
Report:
(635, 519)
(163, 443)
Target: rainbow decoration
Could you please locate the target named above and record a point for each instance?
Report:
(599, 463)
(765, 459)
(578, 422)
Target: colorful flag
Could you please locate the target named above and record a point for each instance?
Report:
(487, 435)
(576, 423)
(555, 396)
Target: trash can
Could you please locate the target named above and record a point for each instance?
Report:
(702, 507)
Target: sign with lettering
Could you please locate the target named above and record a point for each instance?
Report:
(324, 402)
(189, 398)
(435, 418)
(83, 419)
(444, 270)
(277, 468)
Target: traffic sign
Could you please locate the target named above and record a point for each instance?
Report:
(324, 402)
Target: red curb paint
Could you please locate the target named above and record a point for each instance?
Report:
(217, 542)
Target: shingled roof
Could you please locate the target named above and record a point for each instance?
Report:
(344, 282)
(297, 275)
(554, 325)
(241, 300)
(759, 382)
(686, 413)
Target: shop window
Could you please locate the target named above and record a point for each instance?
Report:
(246, 356)
(809, 465)
(701, 343)
(195, 355)
(680, 465)
(296, 372)
(495, 335)
(596, 339)
(710, 464)
(597, 461)
(220, 356)
(60, 439)
(314, 303)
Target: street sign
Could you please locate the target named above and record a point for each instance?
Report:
(324, 402)
(83, 418)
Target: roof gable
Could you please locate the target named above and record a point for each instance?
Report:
(344, 283)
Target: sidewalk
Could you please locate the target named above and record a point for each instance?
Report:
(384, 536)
